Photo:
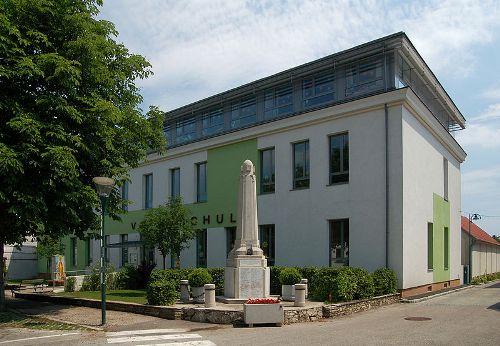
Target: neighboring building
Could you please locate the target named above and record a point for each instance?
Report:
(355, 160)
(485, 249)
(21, 263)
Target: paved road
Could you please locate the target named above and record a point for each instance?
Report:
(469, 317)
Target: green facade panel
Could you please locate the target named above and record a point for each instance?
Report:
(441, 220)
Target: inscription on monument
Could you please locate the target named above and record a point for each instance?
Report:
(251, 282)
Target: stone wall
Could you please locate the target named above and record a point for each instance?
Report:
(342, 309)
(297, 315)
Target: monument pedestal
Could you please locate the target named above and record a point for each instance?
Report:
(246, 276)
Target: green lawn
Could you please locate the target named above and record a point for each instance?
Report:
(129, 296)
(15, 320)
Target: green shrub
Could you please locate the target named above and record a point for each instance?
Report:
(290, 276)
(490, 277)
(176, 275)
(345, 285)
(364, 284)
(162, 292)
(92, 282)
(308, 273)
(323, 284)
(385, 281)
(275, 285)
(199, 277)
(481, 279)
(218, 277)
(128, 278)
(69, 284)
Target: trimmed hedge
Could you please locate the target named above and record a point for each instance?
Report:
(199, 277)
(290, 276)
(179, 274)
(365, 287)
(162, 292)
(385, 282)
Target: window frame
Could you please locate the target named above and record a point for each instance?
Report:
(208, 126)
(230, 239)
(185, 130)
(272, 183)
(238, 110)
(175, 185)
(148, 191)
(200, 196)
(344, 259)
(201, 236)
(272, 107)
(354, 85)
(318, 98)
(342, 173)
(268, 232)
(430, 246)
(307, 166)
(446, 248)
(124, 195)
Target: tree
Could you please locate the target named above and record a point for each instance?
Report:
(69, 112)
(48, 247)
(168, 228)
(497, 238)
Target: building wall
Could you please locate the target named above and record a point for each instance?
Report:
(21, 263)
(485, 258)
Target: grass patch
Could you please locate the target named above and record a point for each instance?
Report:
(14, 320)
(128, 296)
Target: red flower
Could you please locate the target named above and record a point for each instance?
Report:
(263, 301)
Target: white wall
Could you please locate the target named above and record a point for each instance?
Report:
(485, 258)
(22, 263)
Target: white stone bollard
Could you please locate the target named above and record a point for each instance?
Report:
(300, 295)
(209, 295)
(304, 281)
(184, 291)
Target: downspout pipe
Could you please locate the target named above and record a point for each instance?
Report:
(386, 121)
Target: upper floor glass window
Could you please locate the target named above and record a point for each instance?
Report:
(278, 101)
(175, 182)
(185, 130)
(125, 195)
(301, 165)
(243, 113)
(364, 77)
(339, 158)
(267, 170)
(212, 122)
(168, 135)
(318, 90)
(148, 191)
(201, 182)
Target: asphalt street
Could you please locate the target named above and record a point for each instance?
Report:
(468, 317)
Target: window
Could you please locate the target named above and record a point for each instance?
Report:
(148, 191)
(430, 246)
(201, 248)
(339, 242)
(445, 179)
(301, 165)
(278, 101)
(74, 252)
(106, 250)
(230, 239)
(339, 158)
(88, 250)
(175, 182)
(364, 77)
(124, 248)
(243, 113)
(185, 130)
(318, 90)
(212, 122)
(267, 171)
(125, 195)
(168, 135)
(446, 248)
(201, 182)
(267, 237)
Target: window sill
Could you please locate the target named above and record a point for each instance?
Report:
(341, 183)
(300, 188)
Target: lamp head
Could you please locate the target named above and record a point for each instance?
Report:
(104, 185)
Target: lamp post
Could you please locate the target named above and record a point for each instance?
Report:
(471, 218)
(104, 187)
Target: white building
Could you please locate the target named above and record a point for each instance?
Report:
(356, 162)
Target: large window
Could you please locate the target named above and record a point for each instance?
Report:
(267, 170)
(243, 113)
(148, 191)
(446, 248)
(301, 165)
(278, 102)
(230, 239)
(74, 252)
(318, 90)
(201, 248)
(267, 237)
(201, 182)
(339, 242)
(175, 182)
(124, 248)
(125, 195)
(185, 130)
(339, 158)
(364, 77)
(430, 246)
(212, 122)
(168, 135)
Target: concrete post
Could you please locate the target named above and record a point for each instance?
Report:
(304, 281)
(209, 295)
(300, 295)
(184, 291)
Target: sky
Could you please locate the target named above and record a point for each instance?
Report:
(198, 48)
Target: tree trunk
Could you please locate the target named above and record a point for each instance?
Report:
(2, 274)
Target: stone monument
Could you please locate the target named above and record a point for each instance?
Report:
(246, 274)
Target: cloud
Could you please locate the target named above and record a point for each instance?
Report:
(491, 93)
(485, 181)
(483, 130)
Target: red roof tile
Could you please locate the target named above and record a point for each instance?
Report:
(477, 232)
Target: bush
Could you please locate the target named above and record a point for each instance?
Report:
(323, 284)
(364, 284)
(385, 281)
(481, 279)
(162, 292)
(308, 273)
(290, 276)
(275, 285)
(175, 275)
(490, 277)
(218, 277)
(69, 284)
(199, 277)
(345, 285)
(92, 282)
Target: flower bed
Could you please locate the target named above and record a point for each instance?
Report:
(263, 310)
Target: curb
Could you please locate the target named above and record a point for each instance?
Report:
(418, 300)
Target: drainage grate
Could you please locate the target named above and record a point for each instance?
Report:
(418, 318)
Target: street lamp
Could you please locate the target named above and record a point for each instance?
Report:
(472, 217)
(104, 187)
